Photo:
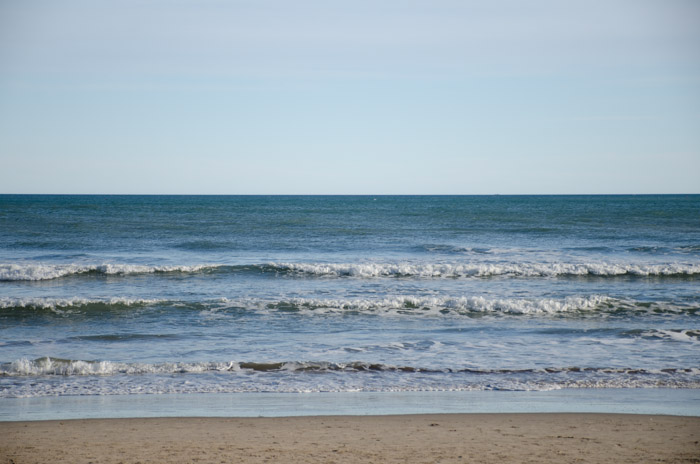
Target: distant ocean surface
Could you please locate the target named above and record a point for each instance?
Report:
(132, 295)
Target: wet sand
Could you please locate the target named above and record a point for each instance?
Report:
(431, 438)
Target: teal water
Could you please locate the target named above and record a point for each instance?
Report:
(677, 402)
(189, 295)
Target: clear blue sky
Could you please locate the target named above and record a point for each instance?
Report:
(367, 96)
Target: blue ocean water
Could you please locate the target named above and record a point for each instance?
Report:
(134, 295)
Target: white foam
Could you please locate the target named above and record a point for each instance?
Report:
(169, 386)
(487, 269)
(60, 304)
(39, 378)
(686, 336)
(439, 305)
(42, 271)
(53, 366)
(39, 271)
(396, 305)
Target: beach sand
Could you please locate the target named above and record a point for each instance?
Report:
(432, 438)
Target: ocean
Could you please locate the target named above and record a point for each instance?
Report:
(143, 296)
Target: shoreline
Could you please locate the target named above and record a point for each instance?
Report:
(446, 438)
(655, 401)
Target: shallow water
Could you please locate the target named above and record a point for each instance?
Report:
(677, 402)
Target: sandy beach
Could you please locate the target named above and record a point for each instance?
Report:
(445, 438)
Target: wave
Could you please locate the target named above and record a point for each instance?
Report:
(38, 272)
(664, 250)
(56, 377)
(69, 305)
(676, 335)
(488, 269)
(205, 245)
(48, 366)
(124, 337)
(396, 305)
(478, 305)
(450, 305)
(458, 250)
(35, 272)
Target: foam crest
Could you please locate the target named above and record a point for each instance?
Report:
(403, 305)
(65, 367)
(51, 377)
(687, 336)
(36, 272)
(454, 270)
(453, 249)
(62, 305)
(465, 305)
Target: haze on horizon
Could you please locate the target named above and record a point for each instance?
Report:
(317, 97)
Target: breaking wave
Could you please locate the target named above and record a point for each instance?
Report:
(70, 305)
(676, 335)
(37, 272)
(469, 305)
(488, 269)
(52, 377)
(34, 272)
(397, 305)
(65, 367)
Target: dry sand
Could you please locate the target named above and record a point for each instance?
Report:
(446, 438)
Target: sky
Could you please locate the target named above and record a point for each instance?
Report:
(362, 97)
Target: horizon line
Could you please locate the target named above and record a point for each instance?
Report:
(347, 194)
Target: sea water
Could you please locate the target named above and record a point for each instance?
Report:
(192, 295)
